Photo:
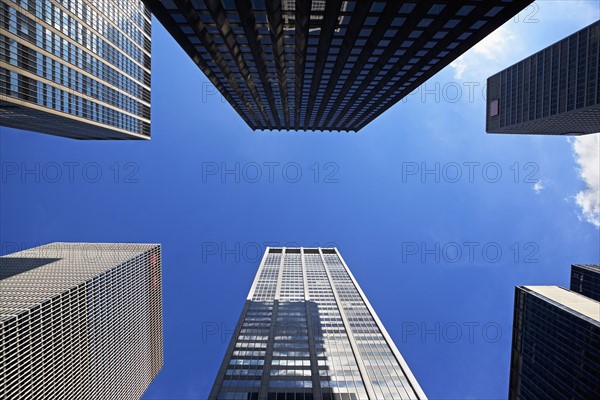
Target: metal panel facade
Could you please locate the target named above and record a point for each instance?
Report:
(80, 321)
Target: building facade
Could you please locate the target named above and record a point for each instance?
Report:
(80, 321)
(307, 332)
(585, 280)
(553, 92)
(76, 68)
(556, 345)
(325, 65)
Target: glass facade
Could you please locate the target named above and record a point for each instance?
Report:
(556, 345)
(555, 91)
(585, 280)
(308, 333)
(325, 65)
(80, 321)
(76, 68)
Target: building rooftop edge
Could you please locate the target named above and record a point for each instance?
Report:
(546, 47)
(568, 300)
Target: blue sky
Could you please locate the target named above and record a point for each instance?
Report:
(450, 317)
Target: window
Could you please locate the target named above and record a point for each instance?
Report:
(494, 108)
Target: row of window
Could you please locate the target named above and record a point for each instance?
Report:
(77, 56)
(127, 16)
(76, 36)
(345, 115)
(17, 86)
(61, 74)
(558, 79)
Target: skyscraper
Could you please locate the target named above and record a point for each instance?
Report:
(556, 345)
(81, 321)
(585, 280)
(553, 92)
(76, 68)
(307, 332)
(325, 65)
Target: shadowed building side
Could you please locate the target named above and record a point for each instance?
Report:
(585, 280)
(556, 345)
(553, 92)
(330, 65)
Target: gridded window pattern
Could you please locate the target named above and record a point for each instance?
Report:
(555, 91)
(325, 65)
(555, 351)
(585, 280)
(80, 321)
(307, 333)
(76, 68)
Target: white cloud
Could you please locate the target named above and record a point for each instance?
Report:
(488, 56)
(538, 187)
(586, 151)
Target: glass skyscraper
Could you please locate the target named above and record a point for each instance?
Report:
(556, 345)
(76, 68)
(307, 332)
(553, 92)
(585, 280)
(80, 321)
(325, 65)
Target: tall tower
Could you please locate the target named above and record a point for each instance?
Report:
(585, 280)
(553, 92)
(80, 320)
(325, 65)
(556, 340)
(307, 332)
(76, 68)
